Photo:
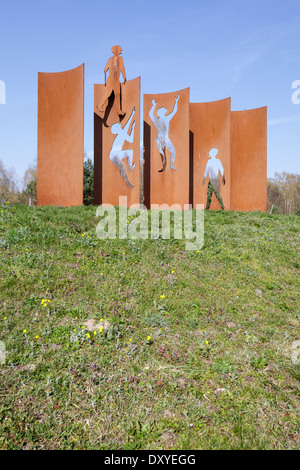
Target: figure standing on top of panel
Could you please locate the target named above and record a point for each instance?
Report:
(115, 66)
(163, 141)
(117, 154)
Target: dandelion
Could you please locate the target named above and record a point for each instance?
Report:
(37, 337)
(24, 331)
(101, 274)
(148, 338)
(130, 341)
(206, 342)
(101, 319)
(74, 329)
(4, 318)
(162, 296)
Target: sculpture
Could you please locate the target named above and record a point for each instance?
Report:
(115, 66)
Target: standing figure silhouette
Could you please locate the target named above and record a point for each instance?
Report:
(214, 164)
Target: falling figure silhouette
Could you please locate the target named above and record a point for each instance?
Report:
(162, 126)
(117, 155)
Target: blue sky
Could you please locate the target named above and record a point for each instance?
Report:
(248, 50)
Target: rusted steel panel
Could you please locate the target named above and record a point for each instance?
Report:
(249, 160)
(166, 144)
(210, 129)
(60, 138)
(117, 144)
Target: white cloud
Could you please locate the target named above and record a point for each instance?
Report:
(283, 120)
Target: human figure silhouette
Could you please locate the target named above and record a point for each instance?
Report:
(162, 126)
(117, 154)
(115, 66)
(214, 164)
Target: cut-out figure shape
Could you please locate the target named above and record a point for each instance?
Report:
(214, 165)
(115, 66)
(117, 154)
(162, 126)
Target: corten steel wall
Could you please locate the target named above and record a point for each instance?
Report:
(108, 182)
(60, 138)
(249, 160)
(210, 128)
(170, 186)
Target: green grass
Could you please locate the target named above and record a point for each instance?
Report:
(217, 371)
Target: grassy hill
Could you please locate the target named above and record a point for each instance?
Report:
(140, 344)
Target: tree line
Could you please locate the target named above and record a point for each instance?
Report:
(283, 190)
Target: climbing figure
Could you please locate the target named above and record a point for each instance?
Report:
(117, 154)
(115, 66)
(162, 126)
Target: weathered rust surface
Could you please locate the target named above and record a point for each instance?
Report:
(60, 138)
(166, 145)
(210, 128)
(117, 158)
(249, 160)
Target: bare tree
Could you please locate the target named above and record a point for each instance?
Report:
(283, 192)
